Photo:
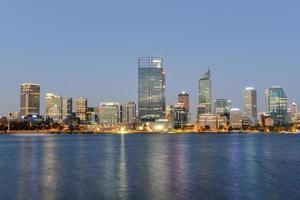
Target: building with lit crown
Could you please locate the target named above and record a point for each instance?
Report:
(151, 89)
(205, 94)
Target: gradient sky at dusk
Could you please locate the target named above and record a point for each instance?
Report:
(90, 48)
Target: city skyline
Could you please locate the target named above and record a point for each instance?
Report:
(80, 58)
(43, 98)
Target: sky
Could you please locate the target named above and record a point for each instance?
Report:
(90, 48)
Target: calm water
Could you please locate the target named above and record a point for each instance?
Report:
(150, 167)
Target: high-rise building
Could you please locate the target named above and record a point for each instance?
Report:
(180, 117)
(128, 113)
(92, 116)
(277, 105)
(205, 94)
(236, 118)
(151, 89)
(53, 107)
(294, 109)
(222, 106)
(109, 114)
(30, 99)
(267, 101)
(184, 98)
(67, 108)
(81, 109)
(250, 104)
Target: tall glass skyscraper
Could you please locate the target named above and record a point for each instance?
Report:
(277, 103)
(250, 104)
(151, 89)
(30, 99)
(205, 94)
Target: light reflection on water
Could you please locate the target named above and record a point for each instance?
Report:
(150, 167)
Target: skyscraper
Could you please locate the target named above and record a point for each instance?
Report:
(294, 109)
(250, 104)
(184, 98)
(30, 99)
(53, 107)
(67, 108)
(205, 94)
(277, 105)
(151, 89)
(128, 113)
(81, 109)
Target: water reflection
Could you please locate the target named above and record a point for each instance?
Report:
(150, 167)
(123, 181)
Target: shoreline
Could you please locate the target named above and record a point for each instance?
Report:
(34, 132)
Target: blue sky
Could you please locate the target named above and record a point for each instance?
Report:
(90, 48)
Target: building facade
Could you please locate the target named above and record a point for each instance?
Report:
(222, 106)
(67, 108)
(81, 109)
(30, 99)
(109, 114)
(53, 107)
(128, 114)
(151, 89)
(250, 105)
(205, 94)
(277, 105)
(236, 118)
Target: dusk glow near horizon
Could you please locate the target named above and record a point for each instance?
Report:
(91, 49)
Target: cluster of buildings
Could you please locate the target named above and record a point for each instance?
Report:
(151, 112)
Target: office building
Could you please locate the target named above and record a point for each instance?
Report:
(205, 94)
(222, 106)
(128, 114)
(67, 108)
(81, 109)
(236, 118)
(109, 114)
(30, 99)
(53, 107)
(92, 116)
(151, 89)
(277, 105)
(180, 116)
(250, 105)
(294, 109)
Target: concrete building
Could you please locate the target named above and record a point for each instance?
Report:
(294, 109)
(250, 105)
(128, 115)
(222, 106)
(81, 109)
(109, 114)
(236, 118)
(67, 108)
(184, 98)
(213, 122)
(53, 107)
(30, 99)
